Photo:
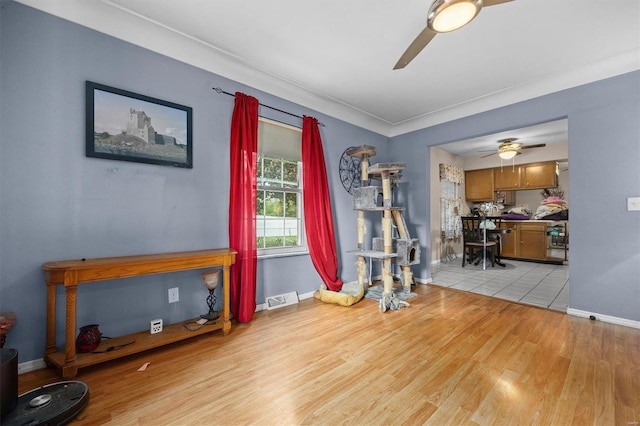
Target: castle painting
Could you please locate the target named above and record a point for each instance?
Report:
(127, 126)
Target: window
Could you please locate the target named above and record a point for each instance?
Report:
(279, 215)
(451, 177)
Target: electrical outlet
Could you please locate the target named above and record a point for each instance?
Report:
(633, 203)
(174, 295)
(156, 326)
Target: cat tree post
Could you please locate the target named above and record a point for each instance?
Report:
(387, 236)
(362, 264)
(403, 232)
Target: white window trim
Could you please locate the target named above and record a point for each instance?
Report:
(302, 248)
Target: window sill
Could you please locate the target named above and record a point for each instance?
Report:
(288, 254)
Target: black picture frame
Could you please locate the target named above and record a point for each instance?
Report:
(120, 126)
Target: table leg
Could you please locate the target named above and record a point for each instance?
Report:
(70, 368)
(226, 322)
(499, 251)
(51, 319)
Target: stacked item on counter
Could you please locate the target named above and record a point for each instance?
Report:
(517, 213)
(552, 208)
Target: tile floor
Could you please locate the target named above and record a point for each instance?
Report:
(531, 283)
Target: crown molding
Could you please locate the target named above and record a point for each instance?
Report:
(617, 65)
(107, 17)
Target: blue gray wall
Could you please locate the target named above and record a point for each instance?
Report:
(57, 204)
(604, 153)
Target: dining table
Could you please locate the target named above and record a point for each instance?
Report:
(496, 233)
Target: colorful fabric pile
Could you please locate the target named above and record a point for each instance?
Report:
(552, 208)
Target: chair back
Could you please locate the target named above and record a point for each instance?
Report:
(497, 221)
(471, 231)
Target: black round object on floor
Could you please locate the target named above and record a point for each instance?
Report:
(54, 404)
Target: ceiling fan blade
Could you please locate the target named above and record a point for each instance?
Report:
(486, 3)
(415, 47)
(489, 155)
(540, 145)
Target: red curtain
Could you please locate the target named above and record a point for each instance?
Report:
(317, 206)
(242, 205)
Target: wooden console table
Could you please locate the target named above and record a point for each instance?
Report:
(71, 273)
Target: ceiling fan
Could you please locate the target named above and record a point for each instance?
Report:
(444, 16)
(509, 148)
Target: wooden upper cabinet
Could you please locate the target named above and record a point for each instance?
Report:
(526, 176)
(507, 178)
(539, 175)
(478, 185)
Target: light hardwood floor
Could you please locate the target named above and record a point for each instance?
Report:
(450, 358)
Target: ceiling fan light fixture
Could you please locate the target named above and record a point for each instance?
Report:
(449, 15)
(507, 155)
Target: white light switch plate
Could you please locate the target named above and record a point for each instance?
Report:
(633, 203)
(174, 295)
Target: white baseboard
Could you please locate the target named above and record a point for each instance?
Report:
(36, 364)
(306, 295)
(263, 306)
(604, 318)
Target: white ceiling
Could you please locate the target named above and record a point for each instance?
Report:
(554, 132)
(336, 56)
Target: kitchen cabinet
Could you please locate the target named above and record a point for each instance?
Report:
(539, 175)
(532, 241)
(528, 240)
(506, 178)
(508, 240)
(526, 176)
(478, 185)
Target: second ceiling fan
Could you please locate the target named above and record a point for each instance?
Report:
(509, 148)
(444, 16)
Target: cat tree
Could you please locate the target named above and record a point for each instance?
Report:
(401, 250)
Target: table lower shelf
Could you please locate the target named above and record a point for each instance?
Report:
(142, 341)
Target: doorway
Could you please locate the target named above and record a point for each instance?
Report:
(533, 283)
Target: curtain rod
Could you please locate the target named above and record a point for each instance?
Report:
(219, 90)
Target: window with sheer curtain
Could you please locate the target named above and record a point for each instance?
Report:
(451, 177)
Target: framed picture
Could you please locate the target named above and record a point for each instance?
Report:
(126, 126)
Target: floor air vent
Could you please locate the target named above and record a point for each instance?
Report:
(281, 300)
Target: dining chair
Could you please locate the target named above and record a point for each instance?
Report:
(474, 241)
(496, 222)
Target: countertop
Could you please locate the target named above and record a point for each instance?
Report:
(534, 221)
